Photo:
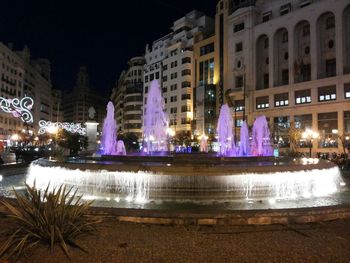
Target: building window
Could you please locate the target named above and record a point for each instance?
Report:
(173, 64)
(266, 42)
(173, 110)
(303, 96)
(285, 37)
(346, 122)
(281, 99)
(186, 60)
(285, 9)
(186, 72)
(331, 67)
(165, 78)
(239, 47)
(238, 27)
(266, 16)
(185, 108)
(306, 30)
(266, 80)
(173, 87)
(157, 75)
(327, 93)
(262, 102)
(185, 121)
(239, 105)
(347, 90)
(285, 77)
(165, 67)
(173, 98)
(239, 81)
(151, 77)
(185, 96)
(330, 22)
(164, 89)
(303, 121)
(146, 78)
(281, 127)
(327, 124)
(186, 84)
(173, 75)
(206, 49)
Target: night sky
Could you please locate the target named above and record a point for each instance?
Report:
(102, 35)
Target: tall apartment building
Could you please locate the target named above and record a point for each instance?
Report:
(76, 104)
(21, 76)
(288, 60)
(206, 85)
(127, 98)
(171, 60)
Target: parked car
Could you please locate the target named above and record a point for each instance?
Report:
(29, 154)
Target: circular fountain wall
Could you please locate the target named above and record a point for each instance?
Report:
(134, 181)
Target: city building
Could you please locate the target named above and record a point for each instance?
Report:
(76, 104)
(289, 61)
(171, 61)
(127, 98)
(205, 88)
(22, 76)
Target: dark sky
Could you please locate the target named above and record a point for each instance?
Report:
(100, 34)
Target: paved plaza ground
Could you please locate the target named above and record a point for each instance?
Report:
(129, 242)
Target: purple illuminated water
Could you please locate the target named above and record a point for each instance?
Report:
(261, 137)
(109, 132)
(244, 144)
(155, 122)
(224, 130)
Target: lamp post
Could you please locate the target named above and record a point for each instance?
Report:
(309, 136)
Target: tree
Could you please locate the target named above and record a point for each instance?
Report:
(72, 141)
(294, 135)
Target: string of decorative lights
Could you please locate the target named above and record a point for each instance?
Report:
(52, 127)
(18, 108)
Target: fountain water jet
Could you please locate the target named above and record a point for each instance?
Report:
(244, 143)
(109, 132)
(224, 130)
(261, 137)
(155, 121)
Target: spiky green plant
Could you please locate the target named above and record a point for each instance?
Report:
(56, 217)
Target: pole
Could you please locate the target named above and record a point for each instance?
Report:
(244, 93)
(235, 123)
(310, 146)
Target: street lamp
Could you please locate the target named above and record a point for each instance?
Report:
(309, 136)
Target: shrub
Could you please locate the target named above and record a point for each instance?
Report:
(56, 217)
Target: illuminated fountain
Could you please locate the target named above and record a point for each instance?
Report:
(224, 130)
(149, 181)
(155, 123)
(261, 137)
(244, 143)
(109, 132)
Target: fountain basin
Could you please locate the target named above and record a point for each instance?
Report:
(192, 179)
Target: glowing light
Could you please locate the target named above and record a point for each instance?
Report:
(18, 107)
(52, 127)
(272, 201)
(136, 186)
(0, 177)
(15, 137)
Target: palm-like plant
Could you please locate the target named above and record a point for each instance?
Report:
(56, 217)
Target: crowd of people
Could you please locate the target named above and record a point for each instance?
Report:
(341, 159)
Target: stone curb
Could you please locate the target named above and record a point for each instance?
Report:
(237, 218)
(211, 218)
